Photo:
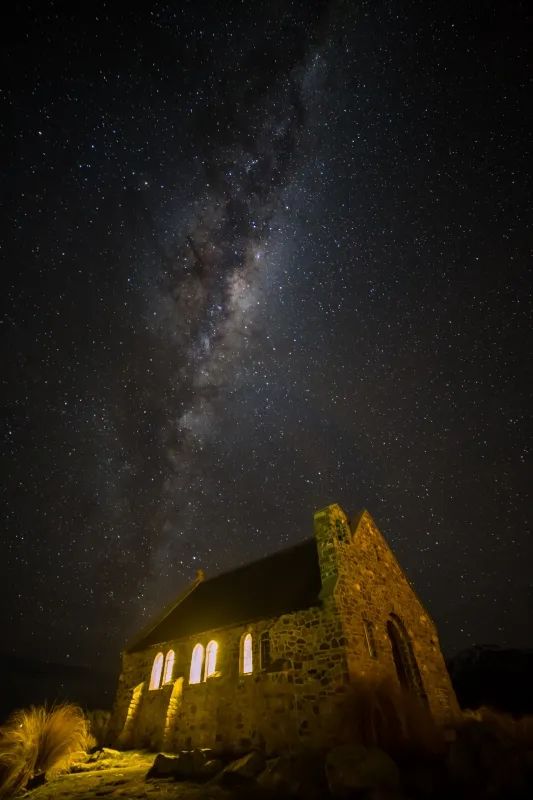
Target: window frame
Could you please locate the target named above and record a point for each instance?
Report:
(168, 668)
(157, 672)
(210, 669)
(246, 654)
(370, 638)
(197, 664)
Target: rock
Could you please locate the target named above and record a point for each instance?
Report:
(104, 752)
(243, 770)
(354, 768)
(210, 769)
(294, 776)
(189, 765)
(163, 766)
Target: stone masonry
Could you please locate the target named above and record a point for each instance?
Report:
(366, 621)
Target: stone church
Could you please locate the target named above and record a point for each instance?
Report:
(260, 655)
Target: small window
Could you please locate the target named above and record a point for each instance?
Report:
(246, 655)
(157, 670)
(211, 659)
(169, 667)
(342, 530)
(265, 650)
(197, 662)
(370, 639)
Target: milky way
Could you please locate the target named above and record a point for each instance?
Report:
(257, 262)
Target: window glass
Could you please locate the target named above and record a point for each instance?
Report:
(211, 659)
(157, 669)
(197, 661)
(169, 666)
(247, 658)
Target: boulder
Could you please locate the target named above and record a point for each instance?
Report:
(104, 752)
(299, 776)
(163, 766)
(354, 768)
(210, 769)
(243, 770)
(186, 766)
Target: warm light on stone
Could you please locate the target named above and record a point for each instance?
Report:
(361, 620)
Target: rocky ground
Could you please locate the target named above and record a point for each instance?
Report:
(482, 761)
(121, 775)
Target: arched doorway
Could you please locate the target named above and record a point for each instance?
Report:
(404, 657)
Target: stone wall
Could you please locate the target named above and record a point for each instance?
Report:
(314, 654)
(371, 590)
(287, 702)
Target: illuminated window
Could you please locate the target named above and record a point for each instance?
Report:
(157, 669)
(197, 661)
(246, 654)
(210, 659)
(169, 666)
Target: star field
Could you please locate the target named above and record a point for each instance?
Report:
(256, 259)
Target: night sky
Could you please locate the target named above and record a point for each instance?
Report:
(259, 257)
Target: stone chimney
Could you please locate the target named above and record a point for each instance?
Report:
(332, 531)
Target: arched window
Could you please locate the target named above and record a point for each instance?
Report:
(157, 669)
(264, 650)
(197, 662)
(169, 667)
(370, 639)
(404, 657)
(246, 654)
(210, 659)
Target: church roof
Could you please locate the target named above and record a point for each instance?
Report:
(285, 581)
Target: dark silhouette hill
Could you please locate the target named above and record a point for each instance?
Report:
(28, 681)
(488, 675)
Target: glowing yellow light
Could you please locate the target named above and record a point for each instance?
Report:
(246, 656)
(169, 666)
(197, 661)
(211, 659)
(157, 669)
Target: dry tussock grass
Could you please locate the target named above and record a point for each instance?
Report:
(518, 730)
(39, 741)
(378, 713)
(98, 721)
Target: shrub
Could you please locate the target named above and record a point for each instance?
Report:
(378, 713)
(39, 741)
(516, 730)
(98, 721)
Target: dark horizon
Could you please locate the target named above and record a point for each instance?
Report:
(255, 263)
